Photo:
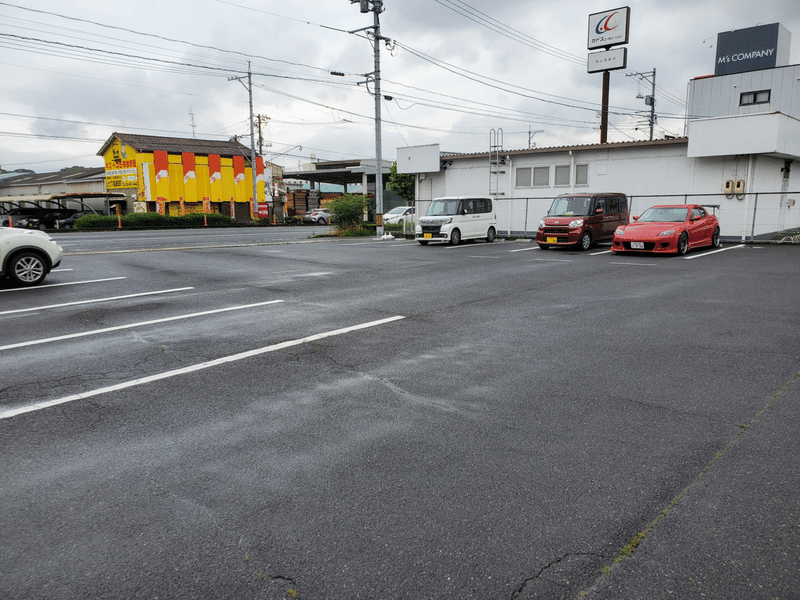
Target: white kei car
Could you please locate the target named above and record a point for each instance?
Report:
(27, 255)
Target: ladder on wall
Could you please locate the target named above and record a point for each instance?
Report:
(496, 162)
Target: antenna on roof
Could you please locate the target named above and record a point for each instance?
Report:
(192, 124)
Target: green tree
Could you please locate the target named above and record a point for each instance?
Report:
(401, 184)
(348, 210)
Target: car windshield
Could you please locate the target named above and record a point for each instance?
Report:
(441, 207)
(397, 211)
(569, 206)
(664, 215)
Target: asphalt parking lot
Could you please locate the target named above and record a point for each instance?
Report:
(324, 419)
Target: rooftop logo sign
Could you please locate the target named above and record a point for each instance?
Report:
(752, 49)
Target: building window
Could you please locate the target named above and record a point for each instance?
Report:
(748, 98)
(581, 174)
(541, 176)
(562, 175)
(524, 177)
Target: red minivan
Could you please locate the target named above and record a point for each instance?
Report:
(582, 220)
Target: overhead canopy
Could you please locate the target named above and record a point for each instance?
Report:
(339, 172)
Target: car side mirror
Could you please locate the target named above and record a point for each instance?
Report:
(599, 211)
(636, 218)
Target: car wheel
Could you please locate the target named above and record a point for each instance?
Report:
(586, 240)
(66, 226)
(491, 235)
(455, 237)
(683, 243)
(42, 226)
(423, 242)
(322, 221)
(27, 269)
(715, 238)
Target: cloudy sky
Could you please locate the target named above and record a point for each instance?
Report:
(75, 71)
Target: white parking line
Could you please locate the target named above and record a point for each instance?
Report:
(40, 287)
(22, 310)
(13, 412)
(132, 325)
(525, 249)
(712, 252)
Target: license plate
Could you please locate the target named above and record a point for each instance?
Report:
(552, 240)
(637, 245)
(427, 236)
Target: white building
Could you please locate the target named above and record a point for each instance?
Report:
(743, 132)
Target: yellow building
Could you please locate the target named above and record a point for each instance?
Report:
(176, 176)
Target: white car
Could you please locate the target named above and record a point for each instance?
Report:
(318, 216)
(27, 255)
(398, 215)
(453, 219)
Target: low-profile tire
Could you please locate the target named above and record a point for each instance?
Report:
(683, 244)
(455, 237)
(27, 269)
(491, 235)
(423, 242)
(715, 242)
(586, 241)
(322, 221)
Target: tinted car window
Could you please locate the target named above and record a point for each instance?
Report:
(570, 205)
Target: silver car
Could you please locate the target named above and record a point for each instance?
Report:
(27, 256)
(318, 216)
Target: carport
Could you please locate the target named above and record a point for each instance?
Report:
(341, 172)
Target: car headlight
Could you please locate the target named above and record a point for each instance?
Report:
(668, 232)
(576, 223)
(541, 224)
(620, 231)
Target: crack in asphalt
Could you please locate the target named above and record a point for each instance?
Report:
(629, 549)
(542, 573)
(285, 580)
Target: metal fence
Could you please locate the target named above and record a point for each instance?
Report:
(764, 217)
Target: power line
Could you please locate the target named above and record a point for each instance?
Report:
(161, 37)
(462, 8)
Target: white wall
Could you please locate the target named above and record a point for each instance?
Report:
(644, 173)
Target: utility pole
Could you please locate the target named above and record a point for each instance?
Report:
(651, 99)
(376, 7)
(249, 88)
(260, 136)
(530, 136)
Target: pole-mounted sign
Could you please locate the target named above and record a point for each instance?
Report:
(608, 29)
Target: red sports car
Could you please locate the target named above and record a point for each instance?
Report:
(668, 228)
